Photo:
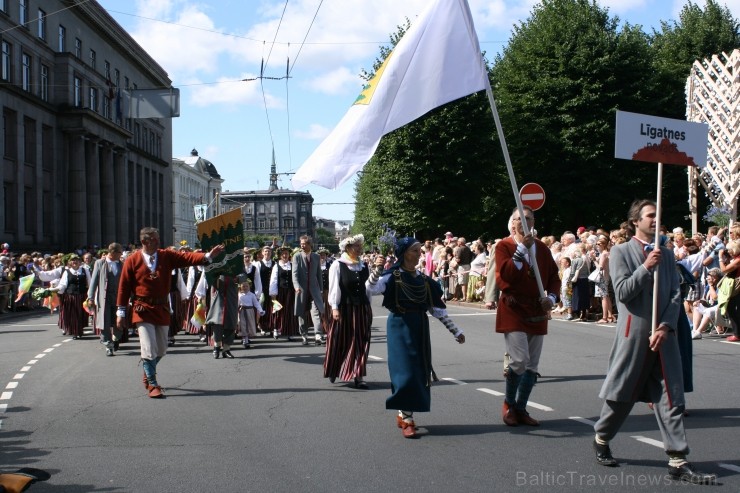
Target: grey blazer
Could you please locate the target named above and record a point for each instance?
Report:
(312, 282)
(635, 373)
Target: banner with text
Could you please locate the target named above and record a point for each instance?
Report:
(226, 229)
(660, 140)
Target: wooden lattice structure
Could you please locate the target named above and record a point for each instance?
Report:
(712, 97)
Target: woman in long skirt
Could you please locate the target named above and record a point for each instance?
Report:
(72, 291)
(348, 337)
(410, 295)
(283, 321)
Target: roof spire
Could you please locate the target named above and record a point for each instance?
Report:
(273, 173)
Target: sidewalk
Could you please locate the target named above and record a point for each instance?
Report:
(24, 313)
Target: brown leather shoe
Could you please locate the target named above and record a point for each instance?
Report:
(408, 429)
(523, 418)
(399, 420)
(155, 392)
(508, 415)
(146, 382)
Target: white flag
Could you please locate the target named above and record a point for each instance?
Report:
(437, 61)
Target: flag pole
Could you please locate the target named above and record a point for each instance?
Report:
(504, 148)
(656, 241)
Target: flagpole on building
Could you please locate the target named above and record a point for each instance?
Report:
(504, 148)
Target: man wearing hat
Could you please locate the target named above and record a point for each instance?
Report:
(309, 286)
(102, 293)
(146, 278)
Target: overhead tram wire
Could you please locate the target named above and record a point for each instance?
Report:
(262, 74)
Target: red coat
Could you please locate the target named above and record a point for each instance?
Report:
(519, 307)
(137, 281)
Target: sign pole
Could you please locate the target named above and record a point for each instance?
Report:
(656, 240)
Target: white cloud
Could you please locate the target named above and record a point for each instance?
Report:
(231, 91)
(314, 132)
(338, 81)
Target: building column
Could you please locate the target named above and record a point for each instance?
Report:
(76, 191)
(92, 165)
(121, 194)
(108, 196)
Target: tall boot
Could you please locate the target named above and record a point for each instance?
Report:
(513, 381)
(528, 379)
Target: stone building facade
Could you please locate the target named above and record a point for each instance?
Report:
(76, 169)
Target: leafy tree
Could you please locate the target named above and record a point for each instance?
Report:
(324, 237)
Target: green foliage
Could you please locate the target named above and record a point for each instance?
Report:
(558, 84)
(324, 237)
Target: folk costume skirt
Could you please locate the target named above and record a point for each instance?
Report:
(409, 361)
(284, 320)
(348, 343)
(72, 317)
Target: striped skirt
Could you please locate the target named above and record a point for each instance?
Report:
(189, 311)
(284, 320)
(72, 317)
(348, 343)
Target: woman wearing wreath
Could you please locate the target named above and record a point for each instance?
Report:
(409, 295)
(348, 337)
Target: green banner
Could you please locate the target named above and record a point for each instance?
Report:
(228, 230)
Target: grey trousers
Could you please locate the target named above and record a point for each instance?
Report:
(315, 317)
(222, 336)
(670, 422)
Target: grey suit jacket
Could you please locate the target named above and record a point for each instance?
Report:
(635, 373)
(306, 281)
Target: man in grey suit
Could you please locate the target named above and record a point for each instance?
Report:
(645, 365)
(309, 285)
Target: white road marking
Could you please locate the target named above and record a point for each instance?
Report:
(541, 407)
(25, 368)
(18, 376)
(49, 350)
(39, 356)
(57, 345)
(492, 392)
(12, 385)
(583, 420)
(5, 396)
(649, 441)
(730, 467)
(3, 408)
(454, 381)
(376, 358)
(33, 362)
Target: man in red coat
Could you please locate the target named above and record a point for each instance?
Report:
(145, 280)
(522, 313)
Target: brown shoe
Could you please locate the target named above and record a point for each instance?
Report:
(399, 420)
(523, 418)
(146, 382)
(155, 392)
(408, 429)
(509, 416)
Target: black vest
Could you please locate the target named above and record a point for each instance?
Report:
(265, 277)
(285, 278)
(352, 285)
(76, 284)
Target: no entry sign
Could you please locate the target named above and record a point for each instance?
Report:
(532, 195)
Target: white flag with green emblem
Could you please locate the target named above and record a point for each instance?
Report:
(437, 61)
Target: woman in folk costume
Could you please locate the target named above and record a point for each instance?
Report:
(252, 273)
(348, 338)
(264, 264)
(72, 291)
(223, 312)
(249, 309)
(178, 292)
(325, 265)
(283, 321)
(194, 274)
(409, 295)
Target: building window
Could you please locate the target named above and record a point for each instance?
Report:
(125, 82)
(42, 24)
(78, 48)
(62, 39)
(77, 92)
(26, 72)
(106, 107)
(273, 223)
(93, 59)
(248, 210)
(248, 224)
(288, 222)
(272, 208)
(6, 61)
(261, 209)
(10, 131)
(303, 223)
(261, 224)
(303, 208)
(106, 70)
(23, 14)
(29, 141)
(4, 6)
(44, 86)
(94, 99)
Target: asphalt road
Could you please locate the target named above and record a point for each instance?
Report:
(268, 422)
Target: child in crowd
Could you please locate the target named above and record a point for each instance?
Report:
(480, 289)
(443, 271)
(248, 305)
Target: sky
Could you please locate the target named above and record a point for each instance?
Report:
(209, 48)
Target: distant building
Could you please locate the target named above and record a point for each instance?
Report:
(342, 230)
(76, 169)
(275, 212)
(195, 181)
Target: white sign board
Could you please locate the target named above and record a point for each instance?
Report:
(660, 140)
